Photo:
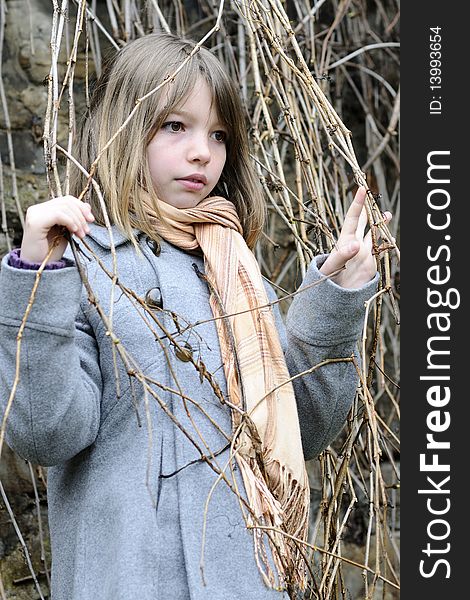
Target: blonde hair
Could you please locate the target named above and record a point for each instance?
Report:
(122, 170)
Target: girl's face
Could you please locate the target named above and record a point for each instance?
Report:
(187, 155)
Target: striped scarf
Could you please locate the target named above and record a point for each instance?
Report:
(266, 430)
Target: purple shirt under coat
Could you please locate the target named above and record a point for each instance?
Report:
(15, 261)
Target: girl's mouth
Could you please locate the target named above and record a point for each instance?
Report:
(194, 182)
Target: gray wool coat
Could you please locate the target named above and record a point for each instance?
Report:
(128, 499)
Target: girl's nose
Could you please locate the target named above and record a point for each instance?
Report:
(199, 150)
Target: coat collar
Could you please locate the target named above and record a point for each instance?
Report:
(100, 235)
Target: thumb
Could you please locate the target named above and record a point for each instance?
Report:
(339, 257)
(351, 249)
(346, 252)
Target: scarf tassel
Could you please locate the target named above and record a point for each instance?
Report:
(278, 509)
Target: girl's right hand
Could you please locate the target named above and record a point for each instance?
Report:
(44, 222)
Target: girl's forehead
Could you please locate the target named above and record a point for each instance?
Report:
(199, 96)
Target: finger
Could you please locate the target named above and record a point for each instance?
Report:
(87, 212)
(64, 219)
(75, 221)
(82, 214)
(83, 207)
(351, 219)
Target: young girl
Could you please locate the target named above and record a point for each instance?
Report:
(159, 401)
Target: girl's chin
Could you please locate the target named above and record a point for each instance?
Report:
(182, 203)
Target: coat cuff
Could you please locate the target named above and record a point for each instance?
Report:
(60, 288)
(326, 312)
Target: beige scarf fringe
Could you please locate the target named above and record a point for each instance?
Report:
(268, 444)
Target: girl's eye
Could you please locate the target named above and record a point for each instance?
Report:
(173, 126)
(220, 136)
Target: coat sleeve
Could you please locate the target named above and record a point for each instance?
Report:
(55, 412)
(323, 322)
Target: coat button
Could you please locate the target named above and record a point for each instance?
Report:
(184, 352)
(153, 298)
(154, 246)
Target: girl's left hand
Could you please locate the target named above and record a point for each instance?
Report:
(353, 250)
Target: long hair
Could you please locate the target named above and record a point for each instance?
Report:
(122, 170)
